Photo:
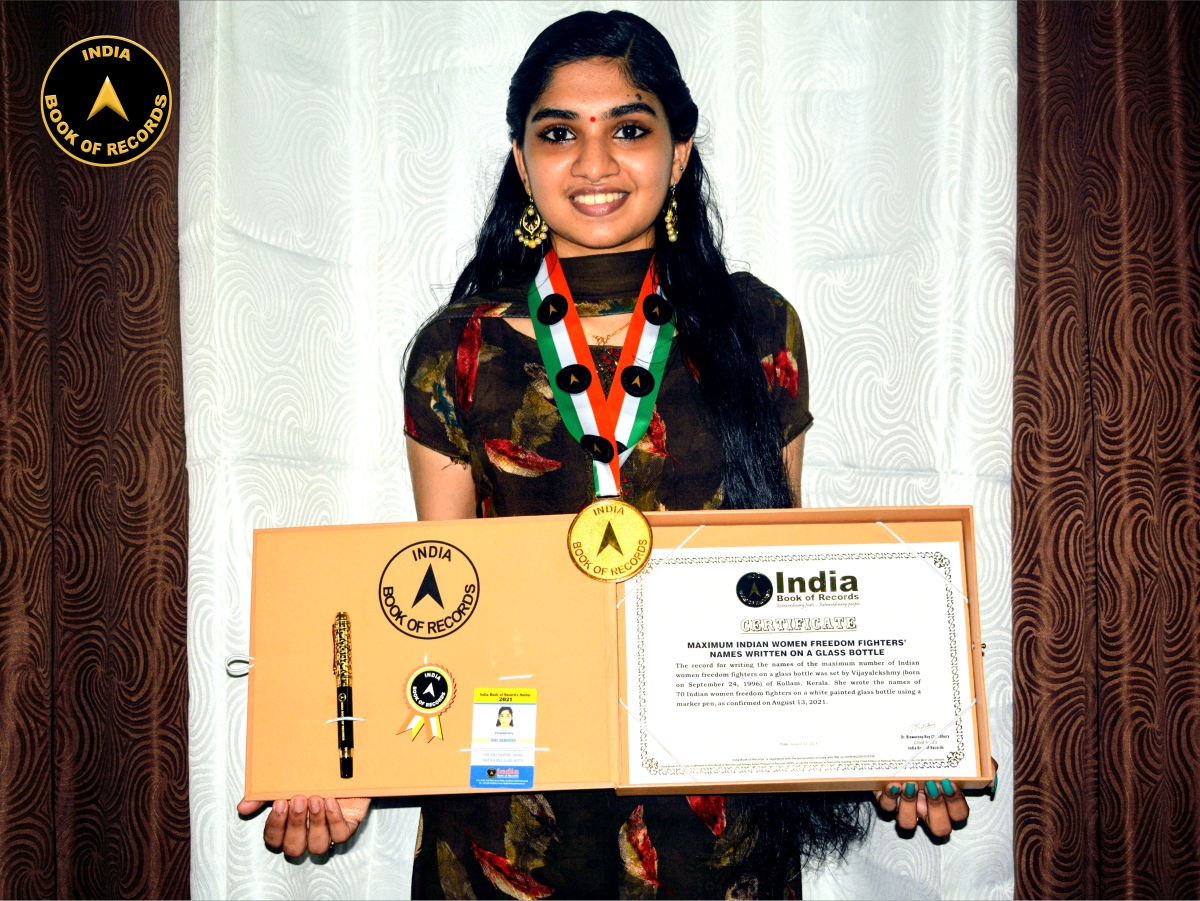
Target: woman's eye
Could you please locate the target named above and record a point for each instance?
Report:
(630, 132)
(556, 134)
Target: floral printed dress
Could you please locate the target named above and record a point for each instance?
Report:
(476, 391)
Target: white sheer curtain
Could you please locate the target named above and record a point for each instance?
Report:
(334, 164)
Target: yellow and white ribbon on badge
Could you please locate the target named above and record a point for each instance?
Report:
(430, 691)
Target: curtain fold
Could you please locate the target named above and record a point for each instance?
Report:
(93, 489)
(1106, 468)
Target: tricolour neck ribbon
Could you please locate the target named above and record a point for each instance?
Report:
(609, 427)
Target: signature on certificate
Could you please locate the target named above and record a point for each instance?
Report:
(919, 727)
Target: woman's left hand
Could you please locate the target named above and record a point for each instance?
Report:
(940, 804)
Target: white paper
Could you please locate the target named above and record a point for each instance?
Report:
(808, 684)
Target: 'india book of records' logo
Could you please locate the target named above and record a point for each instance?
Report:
(429, 589)
(106, 101)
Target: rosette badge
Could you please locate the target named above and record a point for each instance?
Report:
(106, 101)
(430, 692)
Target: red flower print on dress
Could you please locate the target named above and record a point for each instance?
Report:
(711, 810)
(654, 442)
(637, 852)
(768, 364)
(506, 877)
(515, 460)
(466, 361)
(786, 372)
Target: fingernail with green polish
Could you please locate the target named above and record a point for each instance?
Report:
(893, 790)
(910, 789)
(947, 787)
(931, 789)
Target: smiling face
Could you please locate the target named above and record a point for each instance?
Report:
(505, 718)
(598, 158)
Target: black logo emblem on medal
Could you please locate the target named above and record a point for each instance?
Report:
(429, 590)
(106, 101)
(599, 448)
(637, 381)
(573, 379)
(552, 309)
(428, 690)
(609, 540)
(658, 309)
(754, 589)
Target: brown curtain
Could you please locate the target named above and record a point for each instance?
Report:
(1106, 452)
(93, 492)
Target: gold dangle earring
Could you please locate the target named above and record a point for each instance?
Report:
(671, 219)
(532, 229)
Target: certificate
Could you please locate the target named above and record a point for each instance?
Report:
(799, 663)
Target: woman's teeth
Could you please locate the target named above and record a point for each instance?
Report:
(593, 199)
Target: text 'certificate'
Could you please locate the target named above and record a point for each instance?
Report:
(759, 664)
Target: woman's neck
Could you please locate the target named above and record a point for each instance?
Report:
(566, 248)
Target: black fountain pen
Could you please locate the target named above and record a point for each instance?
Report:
(345, 699)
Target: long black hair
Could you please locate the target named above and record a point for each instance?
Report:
(712, 324)
(775, 834)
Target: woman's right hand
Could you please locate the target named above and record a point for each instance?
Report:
(308, 824)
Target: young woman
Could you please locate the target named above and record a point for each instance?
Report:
(605, 185)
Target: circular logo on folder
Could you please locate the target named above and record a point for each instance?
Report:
(106, 100)
(754, 589)
(430, 690)
(429, 589)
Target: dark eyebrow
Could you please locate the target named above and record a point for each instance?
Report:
(618, 111)
(550, 113)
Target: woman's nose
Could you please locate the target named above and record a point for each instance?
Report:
(595, 161)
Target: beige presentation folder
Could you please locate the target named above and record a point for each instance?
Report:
(514, 613)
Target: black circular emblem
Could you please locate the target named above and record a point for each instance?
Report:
(600, 448)
(754, 589)
(429, 589)
(657, 309)
(491, 772)
(573, 379)
(552, 309)
(428, 689)
(106, 100)
(637, 381)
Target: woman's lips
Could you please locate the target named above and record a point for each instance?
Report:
(599, 204)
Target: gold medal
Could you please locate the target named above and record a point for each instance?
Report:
(610, 540)
(429, 691)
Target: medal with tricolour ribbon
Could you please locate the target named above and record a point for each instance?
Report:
(610, 539)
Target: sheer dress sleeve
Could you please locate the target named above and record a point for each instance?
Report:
(432, 415)
(781, 349)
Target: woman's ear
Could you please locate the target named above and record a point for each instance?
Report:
(683, 152)
(519, 158)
